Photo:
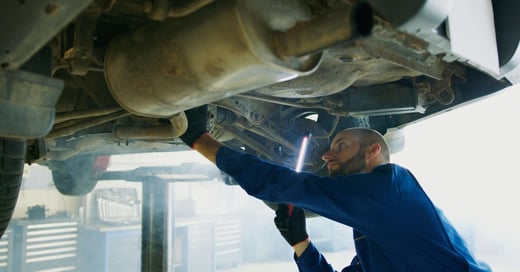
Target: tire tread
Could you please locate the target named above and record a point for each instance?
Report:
(12, 159)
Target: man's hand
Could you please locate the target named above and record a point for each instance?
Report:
(291, 225)
(197, 125)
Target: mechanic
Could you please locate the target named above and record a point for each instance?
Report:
(396, 226)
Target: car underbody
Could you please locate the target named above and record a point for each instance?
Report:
(83, 80)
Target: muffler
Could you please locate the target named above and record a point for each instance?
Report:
(224, 49)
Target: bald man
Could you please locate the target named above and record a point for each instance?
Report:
(396, 226)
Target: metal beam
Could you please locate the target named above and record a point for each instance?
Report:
(158, 223)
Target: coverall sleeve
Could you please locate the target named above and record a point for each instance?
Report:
(360, 201)
(312, 261)
(354, 266)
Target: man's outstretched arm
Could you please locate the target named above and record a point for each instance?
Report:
(207, 147)
(196, 135)
(197, 138)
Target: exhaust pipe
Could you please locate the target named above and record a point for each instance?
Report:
(334, 28)
(178, 124)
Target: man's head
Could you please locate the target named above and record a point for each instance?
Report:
(356, 150)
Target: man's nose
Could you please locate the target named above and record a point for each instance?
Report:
(327, 156)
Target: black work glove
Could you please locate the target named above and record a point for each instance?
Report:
(197, 124)
(291, 226)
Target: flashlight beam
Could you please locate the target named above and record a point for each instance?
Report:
(302, 153)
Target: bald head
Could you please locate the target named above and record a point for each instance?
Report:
(356, 150)
(367, 137)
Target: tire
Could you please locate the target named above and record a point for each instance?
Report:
(75, 176)
(12, 159)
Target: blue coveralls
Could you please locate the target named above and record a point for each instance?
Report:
(396, 226)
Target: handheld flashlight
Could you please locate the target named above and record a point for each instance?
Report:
(299, 162)
(303, 151)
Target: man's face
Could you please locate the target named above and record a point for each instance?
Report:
(345, 156)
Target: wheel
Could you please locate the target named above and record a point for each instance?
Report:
(12, 159)
(69, 184)
(76, 176)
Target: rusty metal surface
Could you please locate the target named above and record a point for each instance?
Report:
(333, 28)
(160, 10)
(164, 131)
(77, 126)
(41, 21)
(66, 116)
(164, 68)
(157, 58)
(386, 55)
(78, 57)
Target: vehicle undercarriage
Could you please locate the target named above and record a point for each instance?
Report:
(83, 80)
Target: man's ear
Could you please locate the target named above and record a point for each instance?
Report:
(373, 151)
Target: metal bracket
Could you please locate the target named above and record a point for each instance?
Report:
(78, 57)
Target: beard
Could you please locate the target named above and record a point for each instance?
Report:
(353, 166)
